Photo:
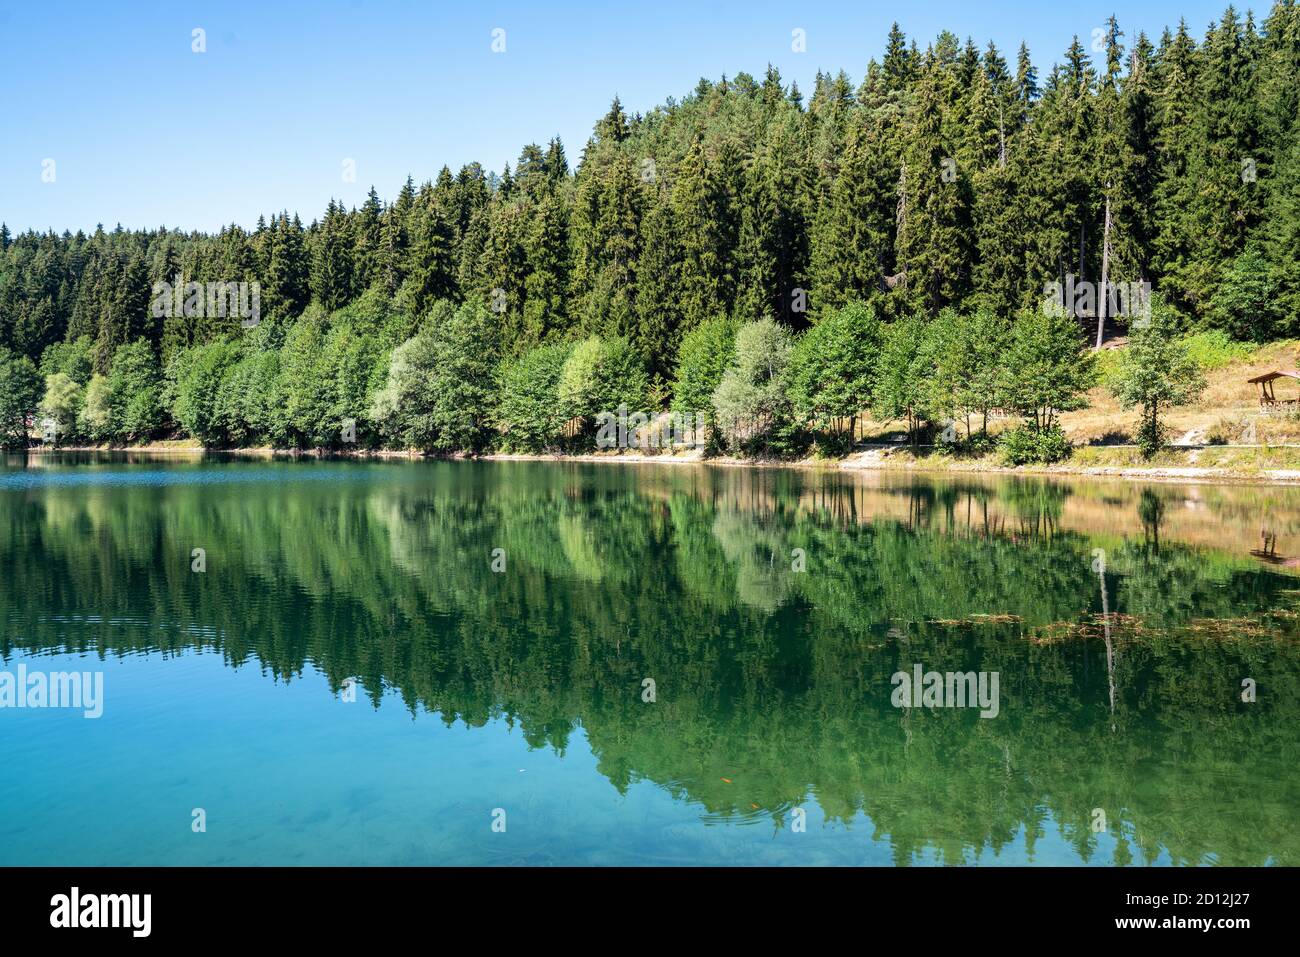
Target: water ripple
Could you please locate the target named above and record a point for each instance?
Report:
(36, 478)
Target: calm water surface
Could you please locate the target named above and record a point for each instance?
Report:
(1122, 620)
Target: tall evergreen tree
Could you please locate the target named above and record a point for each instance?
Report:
(774, 225)
(286, 288)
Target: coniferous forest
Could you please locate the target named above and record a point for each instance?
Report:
(776, 258)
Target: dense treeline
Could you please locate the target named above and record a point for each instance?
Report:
(480, 308)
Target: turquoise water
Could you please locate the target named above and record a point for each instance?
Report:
(523, 689)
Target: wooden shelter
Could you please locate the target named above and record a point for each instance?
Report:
(1268, 402)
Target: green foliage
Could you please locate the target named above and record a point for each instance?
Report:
(705, 353)
(600, 375)
(134, 392)
(1106, 364)
(20, 391)
(1244, 303)
(528, 411)
(375, 314)
(904, 374)
(1047, 367)
(61, 405)
(751, 404)
(967, 349)
(249, 408)
(197, 379)
(403, 407)
(1155, 373)
(307, 384)
(74, 359)
(331, 267)
(96, 420)
(327, 378)
(1214, 349)
(833, 365)
(439, 387)
(1026, 445)
(355, 367)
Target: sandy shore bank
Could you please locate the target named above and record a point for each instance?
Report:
(885, 459)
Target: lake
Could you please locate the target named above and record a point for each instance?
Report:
(411, 662)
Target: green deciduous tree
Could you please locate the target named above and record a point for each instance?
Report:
(1046, 367)
(96, 419)
(528, 410)
(61, 405)
(439, 389)
(197, 379)
(600, 375)
(705, 354)
(967, 349)
(751, 404)
(1156, 373)
(833, 365)
(904, 375)
(20, 392)
(135, 392)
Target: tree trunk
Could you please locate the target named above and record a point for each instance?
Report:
(1083, 252)
(1002, 140)
(1104, 302)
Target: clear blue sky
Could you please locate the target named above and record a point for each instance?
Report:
(147, 133)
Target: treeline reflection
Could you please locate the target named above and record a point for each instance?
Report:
(1121, 627)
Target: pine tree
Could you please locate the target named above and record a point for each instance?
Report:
(1226, 204)
(1174, 84)
(660, 287)
(1027, 91)
(606, 228)
(286, 292)
(1139, 108)
(530, 172)
(547, 271)
(989, 190)
(933, 234)
(1279, 94)
(774, 232)
(331, 272)
(703, 223)
(505, 267)
(556, 163)
(368, 250)
(470, 273)
(1113, 178)
(899, 63)
(431, 263)
(851, 235)
(1281, 238)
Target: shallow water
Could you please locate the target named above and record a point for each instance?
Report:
(770, 608)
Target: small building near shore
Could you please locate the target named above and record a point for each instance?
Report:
(1268, 400)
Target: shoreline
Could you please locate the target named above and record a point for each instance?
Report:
(874, 459)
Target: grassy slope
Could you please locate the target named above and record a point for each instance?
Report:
(1220, 419)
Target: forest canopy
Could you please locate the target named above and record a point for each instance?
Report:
(943, 192)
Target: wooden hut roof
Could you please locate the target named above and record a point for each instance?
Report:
(1278, 374)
